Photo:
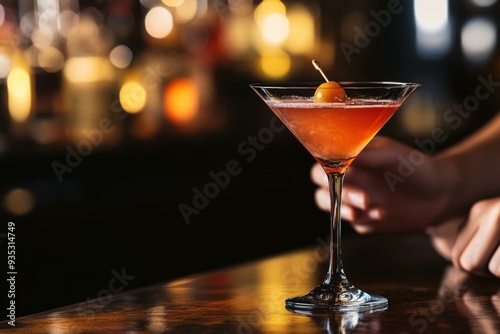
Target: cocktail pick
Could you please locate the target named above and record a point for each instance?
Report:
(318, 67)
(329, 91)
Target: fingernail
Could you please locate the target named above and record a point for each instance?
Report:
(356, 199)
(375, 214)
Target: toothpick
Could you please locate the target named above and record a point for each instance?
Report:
(316, 66)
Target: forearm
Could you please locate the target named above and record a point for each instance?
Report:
(473, 167)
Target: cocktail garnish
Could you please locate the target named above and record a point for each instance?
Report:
(330, 91)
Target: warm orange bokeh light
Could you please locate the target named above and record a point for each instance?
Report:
(181, 101)
(19, 94)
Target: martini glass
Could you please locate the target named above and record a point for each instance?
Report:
(334, 133)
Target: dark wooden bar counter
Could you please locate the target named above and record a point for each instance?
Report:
(426, 295)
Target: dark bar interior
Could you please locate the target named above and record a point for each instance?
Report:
(132, 146)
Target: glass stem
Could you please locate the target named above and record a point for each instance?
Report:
(335, 273)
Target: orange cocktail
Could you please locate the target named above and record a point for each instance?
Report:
(335, 131)
(334, 121)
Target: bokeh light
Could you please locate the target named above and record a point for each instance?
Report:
(88, 69)
(42, 38)
(478, 38)
(483, 3)
(47, 15)
(173, 3)
(159, 22)
(268, 7)
(88, 37)
(132, 97)
(19, 201)
(276, 64)
(50, 59)
(5, 65)
(433, 44)
(19, 94)
(431, 15)
(420, 117)
(302, 28)
(121, 56)
(186, 11)
(275, 28)
(433, 30)
(271, 18)
(238, 36)
(27, 24)
(66, 20)
(182, 100)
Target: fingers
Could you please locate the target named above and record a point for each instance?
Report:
(318, 175)
(352, 210)
(322, 199)
(477, 245)
(494, 264)
(355, 197)
(355, 202)
(351, 197)
(444, 234)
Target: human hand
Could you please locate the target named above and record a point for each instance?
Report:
(390, 188)
(473, 243)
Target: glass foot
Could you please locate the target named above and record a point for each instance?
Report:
(327, 299)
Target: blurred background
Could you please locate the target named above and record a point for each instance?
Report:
(131, 142)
